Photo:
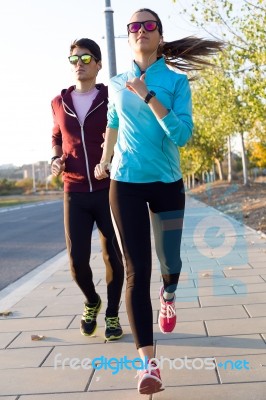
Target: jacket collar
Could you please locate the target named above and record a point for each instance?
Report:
(157, 66)
(101, 96)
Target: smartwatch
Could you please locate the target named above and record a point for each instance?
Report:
(149, 96)
(54, 158)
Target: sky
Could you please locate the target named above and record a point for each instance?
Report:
(36, 35)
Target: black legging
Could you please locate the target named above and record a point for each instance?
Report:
(81, 210)
(131, 219)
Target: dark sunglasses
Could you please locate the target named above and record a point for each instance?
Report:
(85, 58)
(149, 26)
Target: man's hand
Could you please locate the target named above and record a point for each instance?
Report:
(58, 165)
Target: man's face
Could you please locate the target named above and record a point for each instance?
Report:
(84, 72)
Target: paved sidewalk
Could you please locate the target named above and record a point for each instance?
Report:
(221, 308)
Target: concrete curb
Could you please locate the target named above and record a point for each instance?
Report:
(14, 292)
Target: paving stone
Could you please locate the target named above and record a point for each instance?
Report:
(256, 310)
(23, 358)
(182, 330)
(59, 278)
(43, 380)
(209, 313)
(204, 291)
(244, 368)
(236, 326)
(24, 312)
(243, 272)
(221, 281)
(246, 391)
(6, 338)
(258, 263)
(124, 379)
(110, 394)
(67, 308)
(84, 354)
(29, 324)
(57, 337)
(210, 346)
(72, 291)
(45, 290)
(251, 298)
(255, 288)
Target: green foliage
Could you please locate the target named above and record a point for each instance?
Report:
(8, 187)
(25, 185)
(231, 98)
(257, 154)
(57, 182)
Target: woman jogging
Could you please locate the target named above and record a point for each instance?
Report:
(149, 117)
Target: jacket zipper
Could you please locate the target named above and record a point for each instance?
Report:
(83, 138)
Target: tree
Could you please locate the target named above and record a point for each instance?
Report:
(242, 26)
(257, 151)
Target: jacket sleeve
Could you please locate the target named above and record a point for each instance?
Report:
(112, 117)
(178, 123)
(56, 132)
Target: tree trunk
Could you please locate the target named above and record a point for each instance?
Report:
(229, 177)
(244, 160)
(188, 181)
(219, 167)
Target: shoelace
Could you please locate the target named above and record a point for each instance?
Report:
(170, 311)
(112, 322)
(90, 313)
(140, 371)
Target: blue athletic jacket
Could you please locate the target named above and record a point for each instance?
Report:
(147, 147)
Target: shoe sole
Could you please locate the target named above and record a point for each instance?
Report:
(150, 385)
(111, 338)
(92, 333)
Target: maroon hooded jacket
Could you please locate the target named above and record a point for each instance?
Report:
(80, 143)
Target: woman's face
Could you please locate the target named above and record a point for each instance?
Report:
(144, 41)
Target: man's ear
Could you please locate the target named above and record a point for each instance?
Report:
(99, 65)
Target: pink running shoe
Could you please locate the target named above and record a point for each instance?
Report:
(150, 380)
(167, 316)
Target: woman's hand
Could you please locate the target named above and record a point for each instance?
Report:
(100, 170)
(138, 86)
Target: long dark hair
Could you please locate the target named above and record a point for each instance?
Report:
(186, 54)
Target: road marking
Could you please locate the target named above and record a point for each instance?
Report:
(15, 208)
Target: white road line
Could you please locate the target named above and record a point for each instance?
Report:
(15, 208)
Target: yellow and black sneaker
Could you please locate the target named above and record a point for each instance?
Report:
(88, 323)
(113, 330)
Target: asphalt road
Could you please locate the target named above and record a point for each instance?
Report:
(29, 235)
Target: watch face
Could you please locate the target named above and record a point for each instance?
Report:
(152, 92)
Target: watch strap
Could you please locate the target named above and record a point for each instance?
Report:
(149, 96)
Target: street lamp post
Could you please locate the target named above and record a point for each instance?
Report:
(110, 37)
(33, 178)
